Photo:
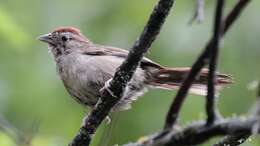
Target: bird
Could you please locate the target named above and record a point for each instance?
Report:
(85, 67)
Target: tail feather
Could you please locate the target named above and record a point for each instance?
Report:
(172, 78)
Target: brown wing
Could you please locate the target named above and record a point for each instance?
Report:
(112, 51)
(162, 77)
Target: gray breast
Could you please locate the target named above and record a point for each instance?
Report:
(85, 75)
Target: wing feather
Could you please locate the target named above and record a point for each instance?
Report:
(112, 51)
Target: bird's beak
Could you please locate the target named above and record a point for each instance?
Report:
(46, 38)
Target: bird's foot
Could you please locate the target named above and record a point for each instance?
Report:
(106, 88)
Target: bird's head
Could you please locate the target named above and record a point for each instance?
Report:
(64, 40)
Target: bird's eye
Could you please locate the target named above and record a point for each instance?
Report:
(64, 38)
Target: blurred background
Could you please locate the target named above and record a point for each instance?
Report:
(36, 110)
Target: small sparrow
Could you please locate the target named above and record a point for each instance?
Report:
(85, 67)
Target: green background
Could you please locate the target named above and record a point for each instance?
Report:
(34, 103)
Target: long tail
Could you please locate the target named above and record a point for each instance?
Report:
(172, 78)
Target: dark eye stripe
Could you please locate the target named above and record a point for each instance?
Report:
(64, 38)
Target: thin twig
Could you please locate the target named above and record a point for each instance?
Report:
(235, 139)
(199, 12)
(239, 138)
(10, 130)
(211, 101)
(202, 60)
(111, 95)
(18, 136)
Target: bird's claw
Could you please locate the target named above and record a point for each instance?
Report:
(106, 88)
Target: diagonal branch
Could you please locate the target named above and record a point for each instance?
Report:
(210, 102)
(18, 136)
(198, 65)
(111, 94)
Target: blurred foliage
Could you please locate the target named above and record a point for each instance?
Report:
(5, 140)
(11, 32)
(30, 92)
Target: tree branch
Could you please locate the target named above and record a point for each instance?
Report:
(239, 138)
(236, 130)
(202, 60)
(198, 133)
(211, 101)
(111, 94)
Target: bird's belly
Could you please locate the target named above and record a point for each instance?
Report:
(83, 92)
(81, 79)
(84, 76)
